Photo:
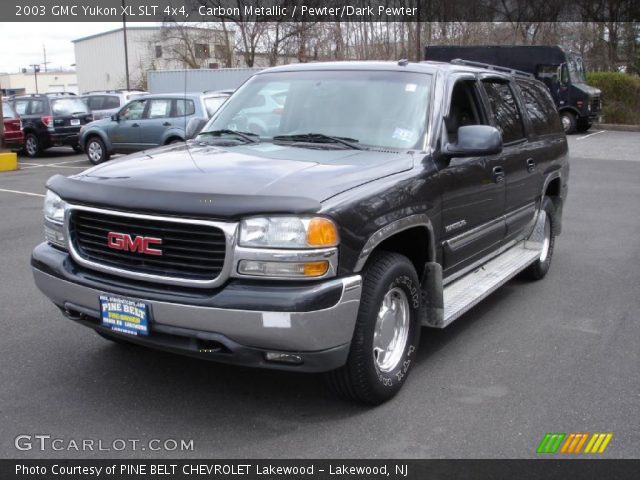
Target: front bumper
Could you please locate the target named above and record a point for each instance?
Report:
(235, 326)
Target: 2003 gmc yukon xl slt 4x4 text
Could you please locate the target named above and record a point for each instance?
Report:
(387, 196)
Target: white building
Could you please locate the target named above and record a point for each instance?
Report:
(53, 81)
(100, 58)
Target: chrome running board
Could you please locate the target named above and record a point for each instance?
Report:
(466, 292)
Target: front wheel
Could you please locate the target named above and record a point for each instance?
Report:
(386, 335)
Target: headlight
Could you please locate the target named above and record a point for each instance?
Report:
(288, 232)
(54, 208)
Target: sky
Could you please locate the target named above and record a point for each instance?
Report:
(21, 43)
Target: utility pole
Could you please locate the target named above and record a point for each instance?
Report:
(44, 51)
(36, 69)
(126, 50)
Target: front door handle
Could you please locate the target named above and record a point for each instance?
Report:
(166, 124)
(531, 165)
(498, 174)
(135, 125)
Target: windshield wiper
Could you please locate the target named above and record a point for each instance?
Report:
(248, 137)
(319, 138)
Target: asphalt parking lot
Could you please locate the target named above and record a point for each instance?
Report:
(559, 355)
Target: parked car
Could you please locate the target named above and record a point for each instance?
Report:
(51, 119)
(13, 136)
(393, 196)
(105, 103)
(147, 122)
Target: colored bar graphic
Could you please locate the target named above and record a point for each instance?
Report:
(551, 442)
(573, 443)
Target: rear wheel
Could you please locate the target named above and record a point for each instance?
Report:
(32, 145)
(547, 237)
(569, 123)
(387, 332)
(96, 150)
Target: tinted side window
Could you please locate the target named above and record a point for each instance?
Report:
(540, 108)
(111, 101)
(21, 106)
(37, 107)
(505, 110)
(184, 108)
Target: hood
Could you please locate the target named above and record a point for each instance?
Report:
(588, 89)
(241, 180)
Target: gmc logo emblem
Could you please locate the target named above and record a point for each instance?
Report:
(139, 244)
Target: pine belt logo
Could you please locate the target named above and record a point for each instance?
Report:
(573, 443)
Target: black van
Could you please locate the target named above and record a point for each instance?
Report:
(51, 119)
(562, 72)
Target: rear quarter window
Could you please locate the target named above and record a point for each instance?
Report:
(540, 108)
(21, 106)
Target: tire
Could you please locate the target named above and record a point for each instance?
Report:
(77, 148)
(174, 141)
(32, 146)
(371, 375)
(583, 126)
(539, 269)
(96, 150)
(569, 122)
(115, 339)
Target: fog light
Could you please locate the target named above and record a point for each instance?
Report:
(281, 357)
(54, 236)
(283, 269)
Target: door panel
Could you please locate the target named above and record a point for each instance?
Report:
(156, 122)
(521, 173)
(125, 133)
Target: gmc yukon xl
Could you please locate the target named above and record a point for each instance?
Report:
(383, 198)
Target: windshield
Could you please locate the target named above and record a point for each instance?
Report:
(373, 108)
(576, 70)
(7, 111)
(68, 106)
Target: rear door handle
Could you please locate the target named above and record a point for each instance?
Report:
(166, 124)
(531, 165)
(498, 174)
(135, 125)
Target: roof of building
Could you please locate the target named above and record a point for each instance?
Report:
(155, 27)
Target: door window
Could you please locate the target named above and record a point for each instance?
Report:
(184, 108)
(464, 108)
(21, 107)
(540, 108)
(133, 111)
(505, 110)
(159, 108)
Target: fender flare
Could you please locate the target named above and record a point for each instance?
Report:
(389, 230)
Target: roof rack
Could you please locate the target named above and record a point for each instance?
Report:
(497, 68)
(60, 94)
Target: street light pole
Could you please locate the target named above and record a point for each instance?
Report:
(126, 50)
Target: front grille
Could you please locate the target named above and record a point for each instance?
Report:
(189, 251)
(595, 104)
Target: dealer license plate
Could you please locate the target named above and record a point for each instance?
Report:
(124, 315)
(75, 121)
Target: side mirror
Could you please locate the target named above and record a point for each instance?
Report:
(115, 117)
(194, 127)
(475, 140)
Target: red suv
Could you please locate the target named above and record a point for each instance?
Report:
(13, 136)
